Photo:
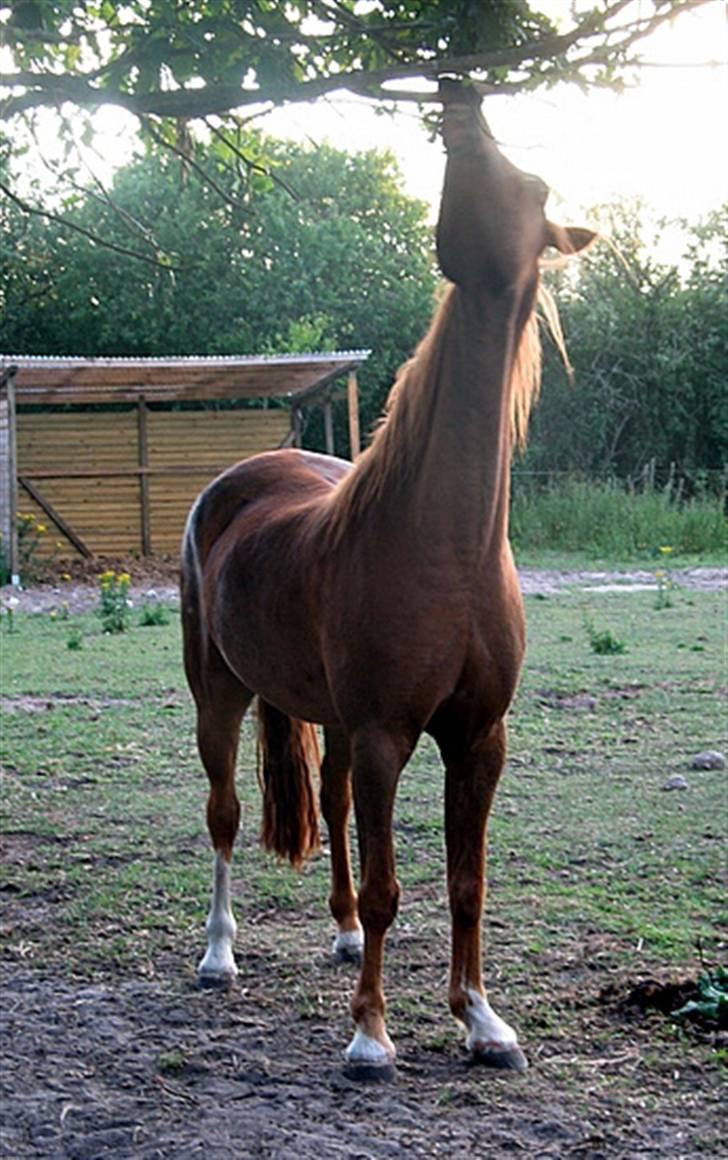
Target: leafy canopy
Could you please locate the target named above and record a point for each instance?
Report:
(171, 59)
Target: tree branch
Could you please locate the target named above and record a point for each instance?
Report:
(188, 160)
(93, 89)
(104, 86)
(66, 223)
(251, 166)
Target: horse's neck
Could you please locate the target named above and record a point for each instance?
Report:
(458, 452)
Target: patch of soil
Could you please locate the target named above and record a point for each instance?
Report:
(574, 702)
(145, 570)
(145, 1069)
(27, 703)
(539, 581)
(651, 995)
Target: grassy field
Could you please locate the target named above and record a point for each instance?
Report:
(599, 877)
(100, 768)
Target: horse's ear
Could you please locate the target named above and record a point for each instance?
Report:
(569, 239)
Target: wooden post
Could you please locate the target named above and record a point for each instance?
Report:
(9, 473)
(329, 427)
(143, 460)
(352, 392)
(297, 426)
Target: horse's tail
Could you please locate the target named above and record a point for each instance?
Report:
(288, 755)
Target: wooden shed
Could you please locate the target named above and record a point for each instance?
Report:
(100, 451)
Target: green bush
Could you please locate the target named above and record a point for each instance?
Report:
(153, 615)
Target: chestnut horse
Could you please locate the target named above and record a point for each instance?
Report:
(381, 600)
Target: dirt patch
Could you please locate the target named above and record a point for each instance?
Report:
(142, 1069)
(653, 995)
(26, 703)
(542, 582)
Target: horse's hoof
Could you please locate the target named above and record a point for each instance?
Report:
(370, 1060)
(364, 1072)
(215, 981)
(504, 1058)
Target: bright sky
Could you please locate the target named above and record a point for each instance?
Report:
(663, 140)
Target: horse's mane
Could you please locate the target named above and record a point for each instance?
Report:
(401, 435)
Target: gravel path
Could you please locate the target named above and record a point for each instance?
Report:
(83, 596)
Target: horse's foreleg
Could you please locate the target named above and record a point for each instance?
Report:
(470, 788)
(377, 760)
(218, 731)
(335, 807)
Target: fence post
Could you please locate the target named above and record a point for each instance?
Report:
(9, 472)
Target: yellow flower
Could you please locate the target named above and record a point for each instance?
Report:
(666, 549)
(65, 576)
(106, 577)
(40, 528)
(123, 578)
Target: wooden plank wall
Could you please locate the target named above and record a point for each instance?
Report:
(86, 465)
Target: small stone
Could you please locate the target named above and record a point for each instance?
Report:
(709, 759)
(677, 781)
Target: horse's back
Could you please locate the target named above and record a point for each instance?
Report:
(283, 477)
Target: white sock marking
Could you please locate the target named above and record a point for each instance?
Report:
(364, 1049)
(348, 944)
(485, 1028)
(221, 926)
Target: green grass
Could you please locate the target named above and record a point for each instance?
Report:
(606, 521)
(592, 863)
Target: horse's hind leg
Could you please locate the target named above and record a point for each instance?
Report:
(221, 703)
(472, 775)
(335, 807)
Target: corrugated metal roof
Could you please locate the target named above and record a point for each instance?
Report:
(51, 379)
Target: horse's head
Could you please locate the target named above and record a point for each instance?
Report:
(492, 227)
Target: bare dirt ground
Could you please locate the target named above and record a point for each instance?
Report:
(138, 1069)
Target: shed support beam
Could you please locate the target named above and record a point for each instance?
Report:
(329, 427)
(297, 426)
(352, 393)
(143, 459)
